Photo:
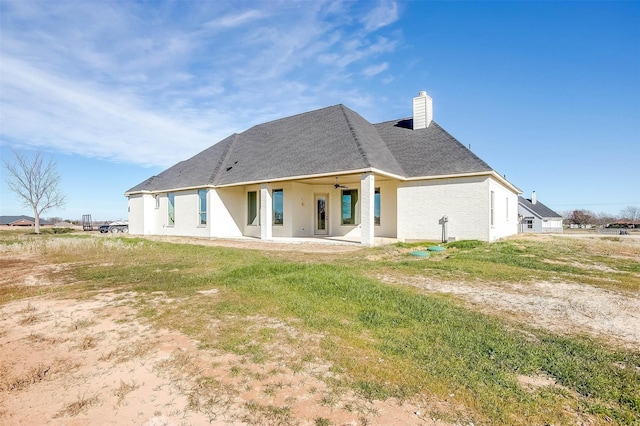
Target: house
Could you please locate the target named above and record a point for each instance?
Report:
(331, 173)
(536, 217)
(20, 221)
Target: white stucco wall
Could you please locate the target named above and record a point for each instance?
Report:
(136, 214)
(222, 208)
(506, 211)
(186, 215)
(465, 201)
(226, 212)
(300, 208)
(388, 211)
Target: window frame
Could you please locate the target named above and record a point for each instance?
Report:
(377, 203)
(171, 208)
(253, 208)
(507, 209)
(275, 221)
(353, 209)
(492, 207)
(202, 202)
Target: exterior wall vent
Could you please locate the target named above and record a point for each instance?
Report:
(422, 111)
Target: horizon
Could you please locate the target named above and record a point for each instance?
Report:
(546, 93)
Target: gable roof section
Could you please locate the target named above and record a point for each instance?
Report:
(329, 140)
(538, 208)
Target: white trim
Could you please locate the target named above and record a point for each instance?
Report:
(492, 173)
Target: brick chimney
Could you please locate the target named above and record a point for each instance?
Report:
(422, 111)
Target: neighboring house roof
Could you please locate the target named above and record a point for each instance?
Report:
(330, 140)
(538, 208)
(10, 220)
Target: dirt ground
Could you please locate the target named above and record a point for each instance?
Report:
(93, 361)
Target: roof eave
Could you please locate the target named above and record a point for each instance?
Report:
(314, 176)
(160, 191)
(491, 173)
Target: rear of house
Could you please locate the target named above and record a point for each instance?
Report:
(331, 173)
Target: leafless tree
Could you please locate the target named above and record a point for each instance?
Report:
(631, 213)
(604, 219)
(35, 180)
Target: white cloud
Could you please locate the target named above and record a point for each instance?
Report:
(81, 119)
(152, 86)
(375, 69)
(384, 14)
(235, 20)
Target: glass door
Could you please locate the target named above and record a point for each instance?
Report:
(321, 215)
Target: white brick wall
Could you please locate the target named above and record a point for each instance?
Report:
(465, 201)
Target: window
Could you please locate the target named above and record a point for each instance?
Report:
(529, 222)
(376, 207)
(493, 199)
(202, 206)
(171, 209)
(252, 208)
(278, 207)
(349, 206)
(507, 209)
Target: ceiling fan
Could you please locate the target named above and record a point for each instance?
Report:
(337, 185)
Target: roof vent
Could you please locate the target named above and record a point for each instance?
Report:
(422, 111)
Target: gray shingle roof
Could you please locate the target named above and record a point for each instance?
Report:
(538, 208)
(329, 140)
(428, 152)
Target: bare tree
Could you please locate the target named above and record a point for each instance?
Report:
(35, 180)
(604, 219)
(631, 213)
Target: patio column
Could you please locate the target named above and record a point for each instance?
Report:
(367, 198)
(266, 212)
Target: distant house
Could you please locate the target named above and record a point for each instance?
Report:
(624, 223)
(536, 217)
(331, 173)
(20, 221)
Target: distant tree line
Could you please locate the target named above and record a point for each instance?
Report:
(629, 214)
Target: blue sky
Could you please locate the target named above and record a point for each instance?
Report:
(547, 93)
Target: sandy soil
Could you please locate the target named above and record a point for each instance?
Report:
(88, 362)
(94, 361)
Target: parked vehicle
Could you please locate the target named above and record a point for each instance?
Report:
(115, 227)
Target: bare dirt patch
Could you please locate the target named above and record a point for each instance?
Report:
(94, 361)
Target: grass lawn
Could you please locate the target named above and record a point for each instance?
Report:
(382, 341)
